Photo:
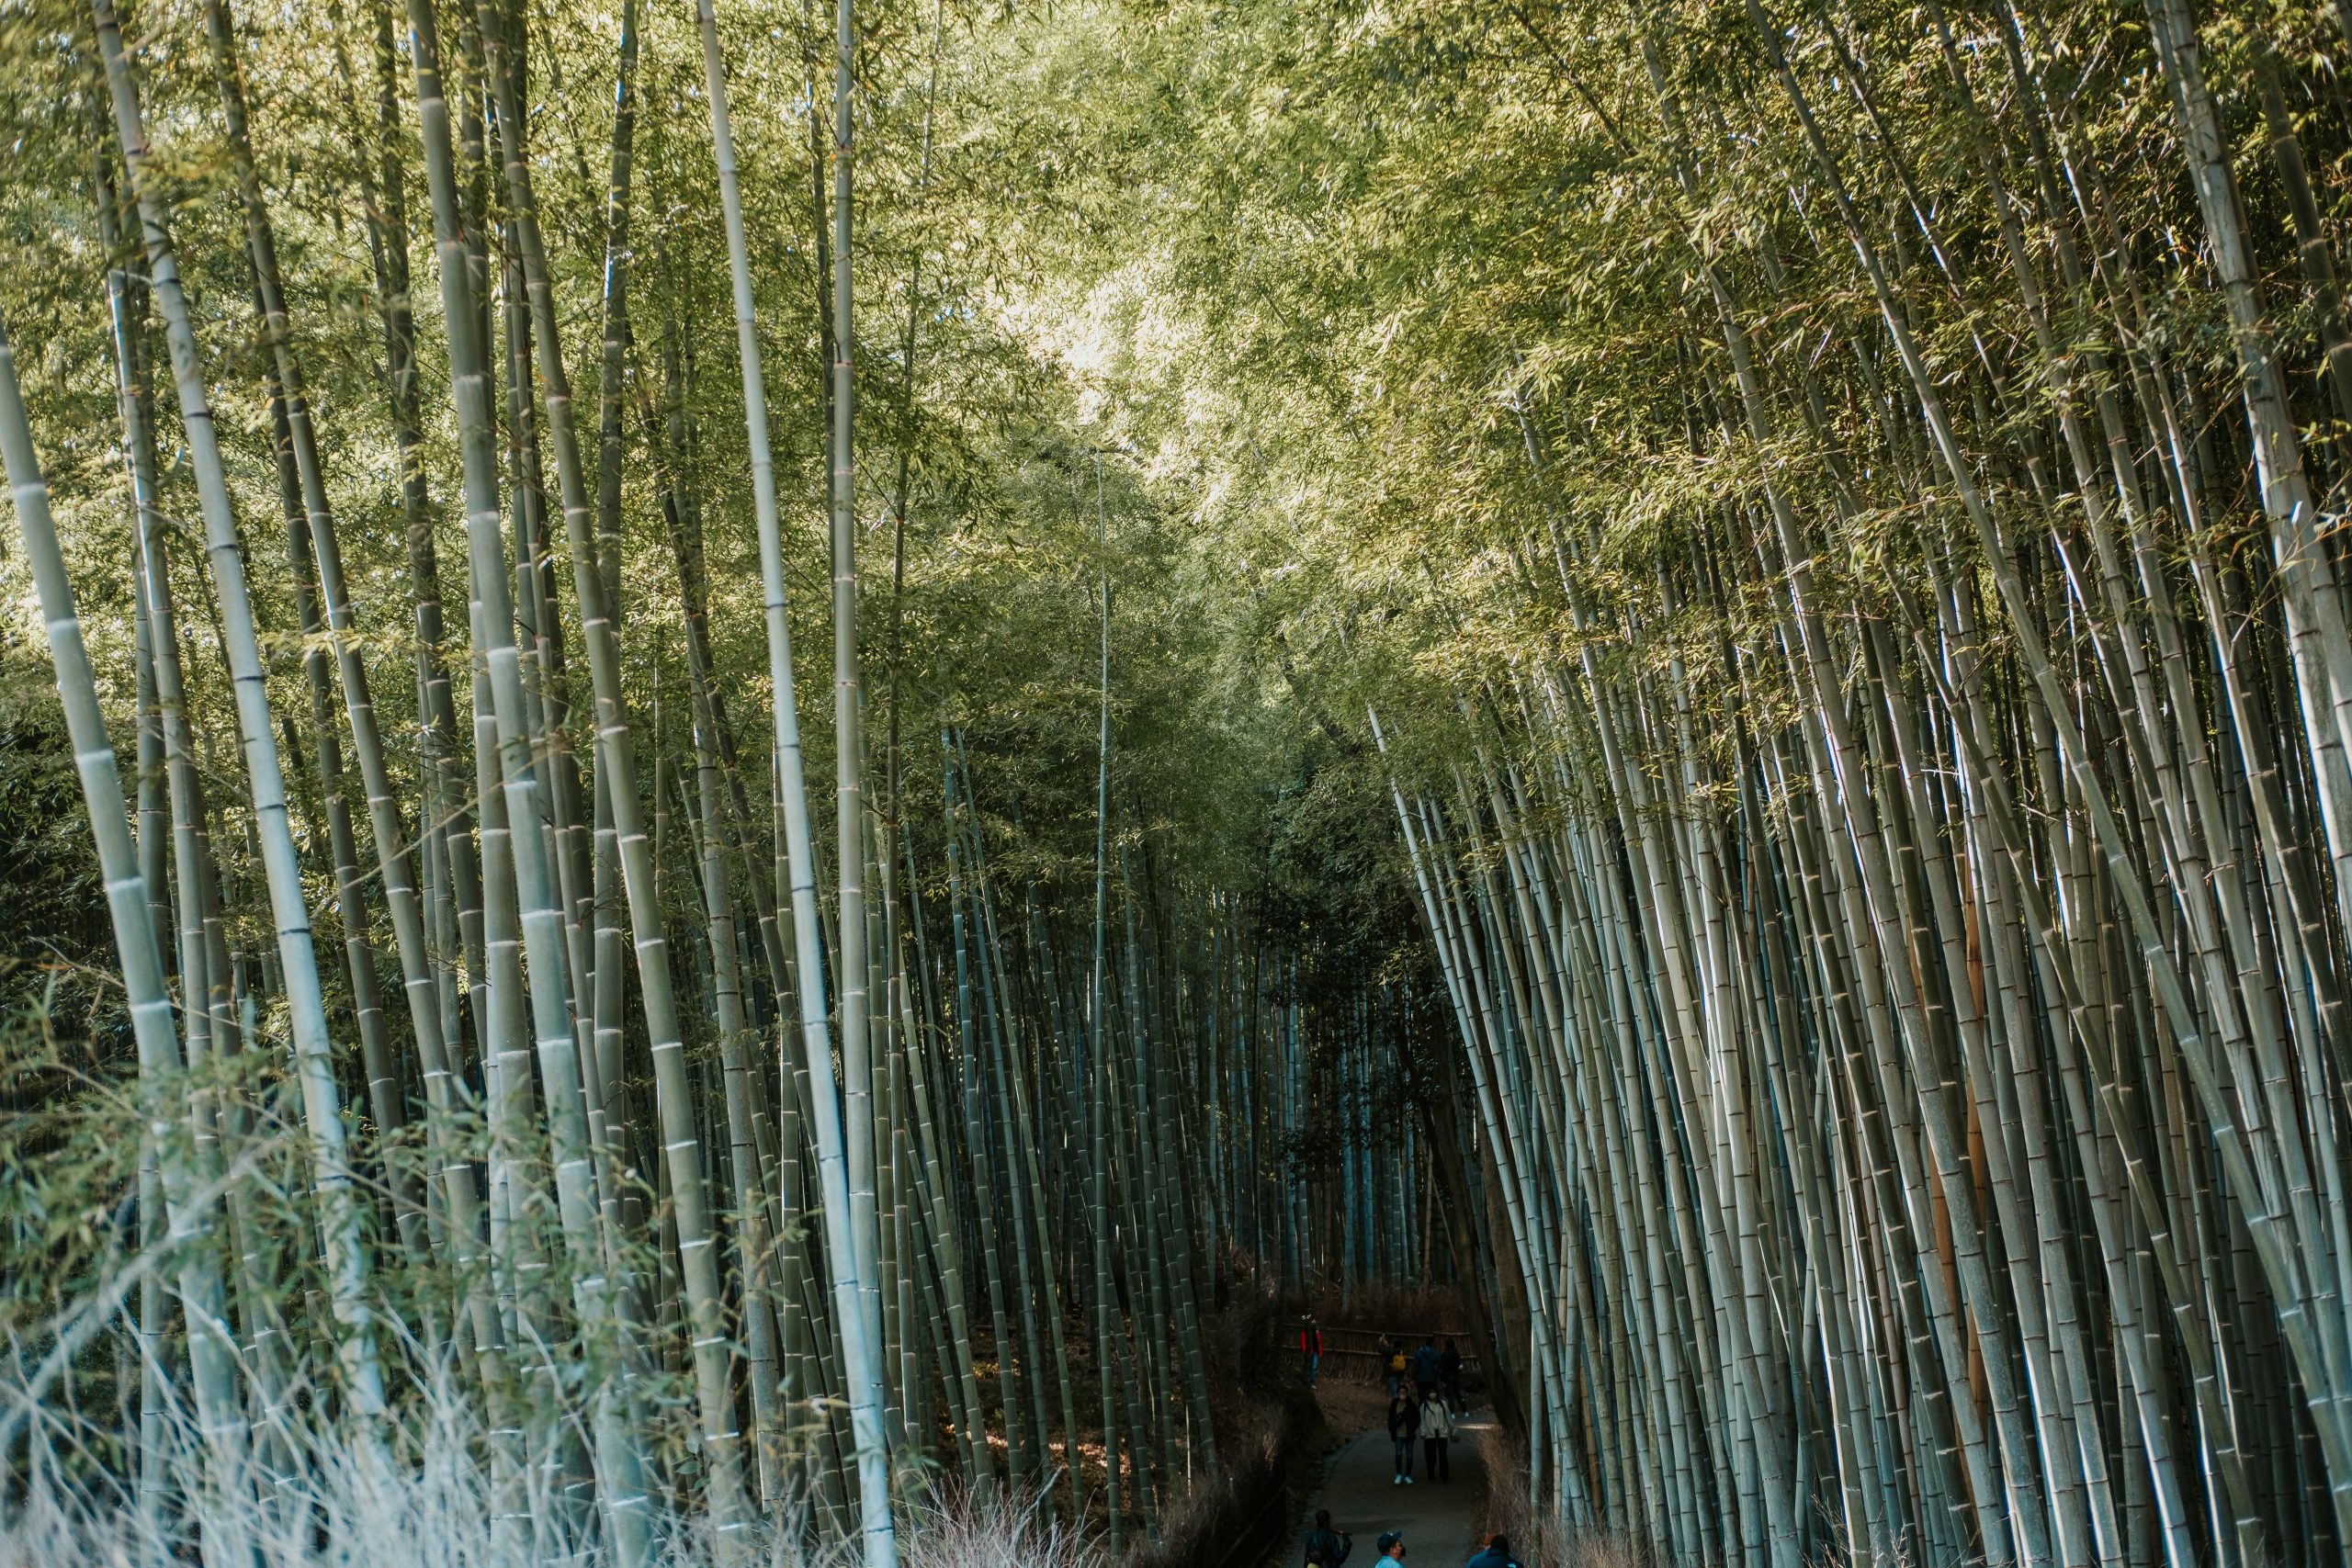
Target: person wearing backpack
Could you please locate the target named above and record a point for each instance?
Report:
(1325, 1545)
(1392, 1365)
(1496, 1556)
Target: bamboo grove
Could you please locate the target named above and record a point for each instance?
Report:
(531, 1083)
(1682, 665)
(1828, 517)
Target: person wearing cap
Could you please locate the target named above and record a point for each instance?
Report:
(1496, 1556)
(1391, 1546)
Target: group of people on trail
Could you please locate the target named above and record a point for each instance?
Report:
(1413, 1415)
(1424, 1401)
(1429, 1367)
(1329, 1548)
(1424, 1392)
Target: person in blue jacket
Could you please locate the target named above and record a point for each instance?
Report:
(1496, 1556)
(1425, 1363)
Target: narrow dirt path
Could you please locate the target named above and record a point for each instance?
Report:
(1440, 1518)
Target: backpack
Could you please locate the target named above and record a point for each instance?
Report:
(1396, 1361)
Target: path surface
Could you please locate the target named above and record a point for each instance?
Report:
(1440, 1521)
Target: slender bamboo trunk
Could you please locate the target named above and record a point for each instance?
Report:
(212, 1352)
(347, 1258)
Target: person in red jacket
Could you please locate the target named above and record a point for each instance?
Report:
(1310, 1345)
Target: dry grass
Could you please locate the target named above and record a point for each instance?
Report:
(957, 1535)
(431, 1500)
(420, 1522)
(434, 1504)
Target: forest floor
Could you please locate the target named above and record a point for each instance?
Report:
(1441, 1521)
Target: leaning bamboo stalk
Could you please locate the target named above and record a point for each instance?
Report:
(947, 1252)
(211, 1351)
(979, 1142)
(312, 528)
(363, 984)
(1098, 1044)
(347, 1258)
(2316, 628)
(611, 454)
(148, 1332)
(191, 862)
(750, 1180)
(862, 1339)
(841, 1230)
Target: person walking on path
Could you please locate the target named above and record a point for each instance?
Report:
(1449, 1374)
(1392, 1364)
(1392, 1547)
(1496, 1556)
(1437, 1432)
(1403, 1427)
(1325, 1545)
(1425, 1362)
(1310, 1345)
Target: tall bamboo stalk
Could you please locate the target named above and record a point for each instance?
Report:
(347, 1258)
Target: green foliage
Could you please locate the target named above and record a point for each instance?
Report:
(54, 944)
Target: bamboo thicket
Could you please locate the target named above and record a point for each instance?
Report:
(681, 1154)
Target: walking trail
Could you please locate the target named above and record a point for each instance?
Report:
(1440, 1520)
